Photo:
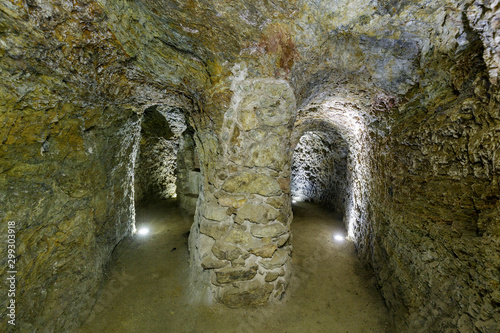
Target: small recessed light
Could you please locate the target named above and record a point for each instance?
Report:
(339, 238)
(143, 231)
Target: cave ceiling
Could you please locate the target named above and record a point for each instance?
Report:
(160, 52)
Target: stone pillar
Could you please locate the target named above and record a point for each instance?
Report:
(188, 175)
(240, 241)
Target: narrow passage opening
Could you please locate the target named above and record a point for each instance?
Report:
(319, 170)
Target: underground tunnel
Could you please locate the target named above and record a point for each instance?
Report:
(246, 136)
(319, 170)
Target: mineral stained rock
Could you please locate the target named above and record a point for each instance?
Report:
(400, 99)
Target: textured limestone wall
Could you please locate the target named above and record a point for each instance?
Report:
(64, 158)
(240, 239)
(484, 18)
(436, 206)
(425, 217)
(319, 170)
(69, 138)
(155, 175)
(68, 189)
(340, 120)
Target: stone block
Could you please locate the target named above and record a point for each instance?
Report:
(284, 184)
(279, 259)
(237, 235)
(231, 210)
(240, 262)
(214, 212)
(210, 262)
(282, 217)
(282, 239)
(247, 117)
(236, 140)
(276, 202)
(214, 230)
(269, 230)
(246, 182)
(256, 213)
(274, 102)
(230, 274)
(204, 245)
(258, 134)
(264, 250)
(248, 294)
(225, 251)
(269, 153)
(274, 114)
(271, 276)
(233, 202)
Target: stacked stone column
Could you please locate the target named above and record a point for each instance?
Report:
(241, 235)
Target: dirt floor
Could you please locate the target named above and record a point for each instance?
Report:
(147, 282)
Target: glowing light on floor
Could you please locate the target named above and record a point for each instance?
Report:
(143, 231)
(338, 237)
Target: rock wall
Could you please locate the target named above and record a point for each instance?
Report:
(411, 86)
(68, 143)
(239, 242)
(68, 189)
(156, 171)
(484, 18)
(435, 203)
(425, 216)
(319, 170)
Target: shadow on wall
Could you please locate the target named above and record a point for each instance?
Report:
(188, 174)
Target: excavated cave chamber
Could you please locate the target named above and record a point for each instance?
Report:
(411, 87)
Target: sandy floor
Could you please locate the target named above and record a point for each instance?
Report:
(329, 292)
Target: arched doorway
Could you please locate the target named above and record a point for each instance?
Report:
(319, 169)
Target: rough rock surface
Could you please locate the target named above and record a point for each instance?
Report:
(410, 86)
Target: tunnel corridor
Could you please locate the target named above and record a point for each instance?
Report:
(189, 162)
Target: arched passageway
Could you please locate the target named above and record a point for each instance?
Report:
(166, 163)
(319, 170)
